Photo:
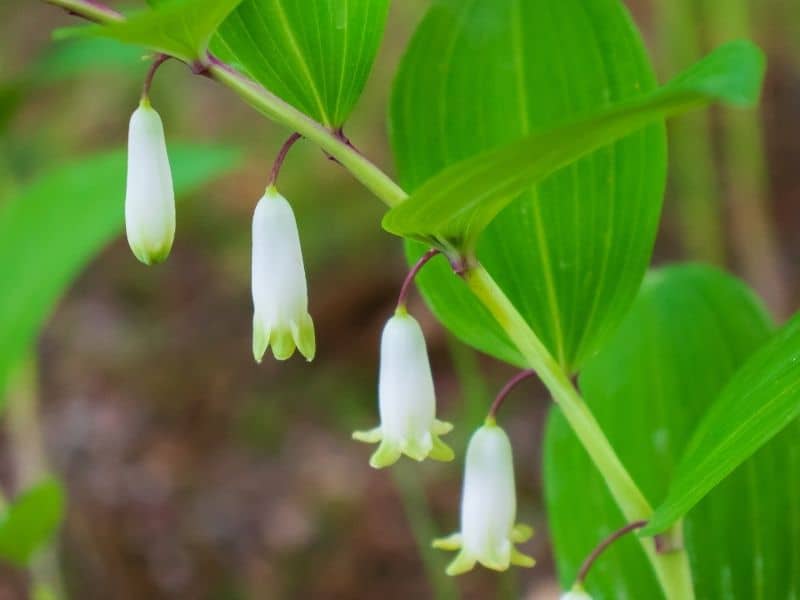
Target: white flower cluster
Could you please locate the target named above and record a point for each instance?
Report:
(409, 426)
(406, 396)
(280, 295)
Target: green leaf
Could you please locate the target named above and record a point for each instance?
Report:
(76, 57)
(55, 225)
(180, 28)
(314, 54)
(30, 521)
(761, 400)
(454, 207)
(570, 252)
(689, 330)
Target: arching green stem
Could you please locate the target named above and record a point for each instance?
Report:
(672, 568)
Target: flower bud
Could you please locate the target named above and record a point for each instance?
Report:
(280, 293)
(488, 507)
(149, 197)
(406, 398)
(576, 593)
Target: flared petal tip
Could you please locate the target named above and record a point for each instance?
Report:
(371, 436)
(150, 255)
(519, 559)
(386, 455)
(304, 336)
(284, 340)
(450, 542)
(521, 533)
(495, 558)
(462, 563)
(441, 451)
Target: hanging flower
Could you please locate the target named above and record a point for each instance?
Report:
(488, 507)
(406, 398)
(280, 294)
(576, 593)
(149, 198)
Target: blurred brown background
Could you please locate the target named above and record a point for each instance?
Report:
(194, 473)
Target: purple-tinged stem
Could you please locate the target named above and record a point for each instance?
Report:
(276, 166)
(401, 298)
(507, 388)
(159, 60)
(587, 564)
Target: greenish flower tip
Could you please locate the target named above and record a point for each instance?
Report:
(576, 593)
(280, 292)
(488, 508)
(149, 195)
(406, 399)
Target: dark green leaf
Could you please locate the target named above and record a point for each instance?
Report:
(314, 54)
(687, 333)
(30, 521)
(180, 28)
(761, 400)
(455, 206)
(569, 253)
(54, 226)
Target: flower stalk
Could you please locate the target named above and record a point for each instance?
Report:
(159, 60)
(507, 389)
(278, 164)
(672, 569)
(583, 572)
(412, 274)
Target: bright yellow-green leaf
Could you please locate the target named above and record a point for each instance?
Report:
(30, 520)
(454, 207)
(761, 400)
(180, 28)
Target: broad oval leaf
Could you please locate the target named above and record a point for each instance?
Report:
(454, 207)
(30, 520)
(314, 54)
(180, 28)
(688, 331)
(571, 251)
(56, 224)
(761, 400)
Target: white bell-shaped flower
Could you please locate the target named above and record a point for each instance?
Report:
(280, 293)
(406, 398)
(488, 507)
(576, 593)
(149, 197)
